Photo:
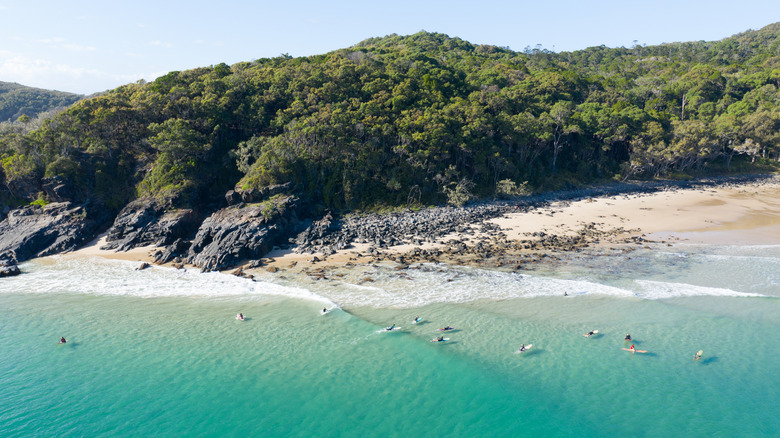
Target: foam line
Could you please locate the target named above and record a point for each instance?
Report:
(657, 290)
(98, 276)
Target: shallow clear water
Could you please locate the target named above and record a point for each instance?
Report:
(159, 353)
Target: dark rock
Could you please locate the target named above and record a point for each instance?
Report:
(143, 266)
(231, 235)
(56, 190)
(9, 270)
(35, 231)
(175, 250)
(249, 196)
(232, 197)
(146, 222)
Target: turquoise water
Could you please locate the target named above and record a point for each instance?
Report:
(159, 352)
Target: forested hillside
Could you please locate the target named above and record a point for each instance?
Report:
(17, 100)
(424, 118)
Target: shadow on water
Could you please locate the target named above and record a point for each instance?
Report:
(708, 360)
(442, 343)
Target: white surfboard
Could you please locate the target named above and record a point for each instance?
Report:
(527, 347)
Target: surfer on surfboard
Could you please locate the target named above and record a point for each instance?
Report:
(634, 350)
(62, 340)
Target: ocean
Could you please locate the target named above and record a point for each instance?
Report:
(159, 352)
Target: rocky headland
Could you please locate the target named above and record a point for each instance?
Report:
(253, 224)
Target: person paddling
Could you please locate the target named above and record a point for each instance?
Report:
(628, 337)
(62, 340)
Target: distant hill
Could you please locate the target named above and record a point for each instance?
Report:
(17, 100)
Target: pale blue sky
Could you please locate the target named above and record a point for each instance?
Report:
(88, 46)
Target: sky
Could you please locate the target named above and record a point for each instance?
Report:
(90, 46)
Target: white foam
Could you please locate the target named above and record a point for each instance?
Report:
(658, 290)
(98, 276)
(457, 285)
(413, 288)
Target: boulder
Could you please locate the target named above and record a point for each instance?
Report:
(9, 270)
(232, 197)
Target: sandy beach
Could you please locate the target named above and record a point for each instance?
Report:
(747, 214)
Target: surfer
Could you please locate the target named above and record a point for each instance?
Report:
(565, 294)
(590, 333)
(389, 329)
(417, 319)
(62, 340)
(697, 355)
(240, 316)
(628, 337)
(632, 348)
(324, 310)
(522, 347)
(447, 328)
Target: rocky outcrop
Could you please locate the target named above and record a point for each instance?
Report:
(35, 231)
(56, 189)
(146, 222)
(235, 234)
(234, 197)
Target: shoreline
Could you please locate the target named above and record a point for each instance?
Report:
(741, 212)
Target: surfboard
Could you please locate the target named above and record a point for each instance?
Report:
(635, 351)
(416, 320)
(437, 340)
(595, 332)
(527, 347)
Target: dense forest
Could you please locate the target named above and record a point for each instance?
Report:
(18, 101)
(421, 119)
